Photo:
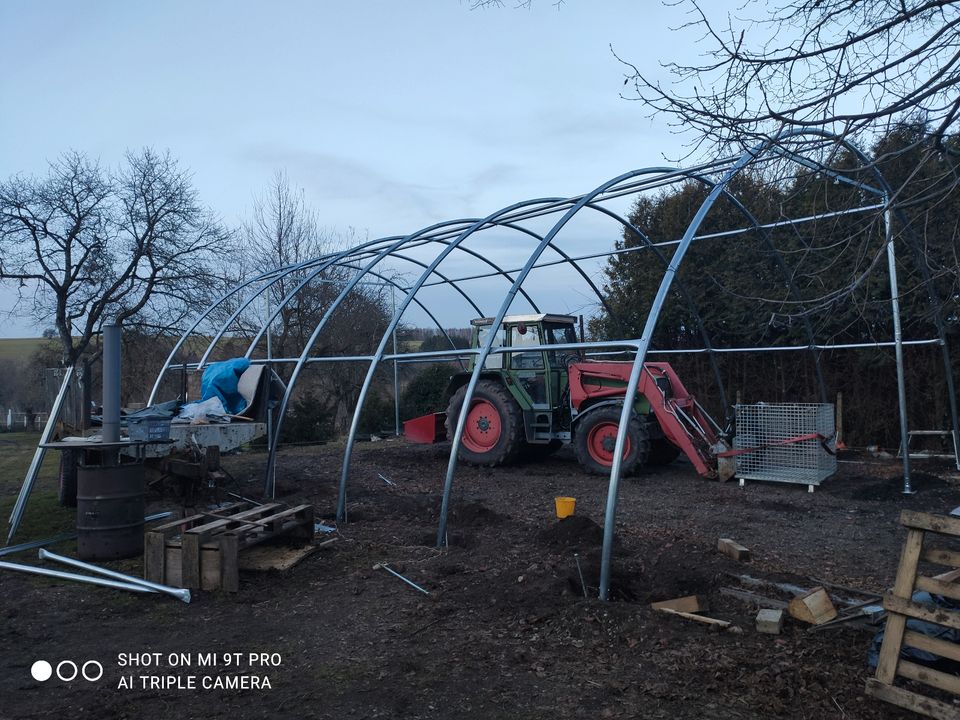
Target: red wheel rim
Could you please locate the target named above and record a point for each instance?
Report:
(483, 428)
(602, 440)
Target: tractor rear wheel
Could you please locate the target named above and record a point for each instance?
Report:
(596, 437)
(493, 433)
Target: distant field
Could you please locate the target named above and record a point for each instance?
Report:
(20, 348)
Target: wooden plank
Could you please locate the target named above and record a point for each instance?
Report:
(894, 604)
(209, 568)
(942, 648)
(755, 598)
(689, 604)
(190, 560)
(938, 587)
(215, 525)
(911, 700)
(182, 523)
(173, 568)
(929, 676)
(949, 576)
(940, 556)
(733, 549)
(154, 556)
(943, 524)
(697, 618)
(229, 562)
(903, 587)
(813, 607)
(274, 558)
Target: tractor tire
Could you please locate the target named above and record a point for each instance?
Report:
(596, 436)
(67, 485)
(493, 434)
(662, 452)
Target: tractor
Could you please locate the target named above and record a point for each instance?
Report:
(532, 402)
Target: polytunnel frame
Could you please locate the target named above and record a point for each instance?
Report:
(382, 248)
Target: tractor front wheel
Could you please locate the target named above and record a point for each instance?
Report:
(596, 437)
(493, 433)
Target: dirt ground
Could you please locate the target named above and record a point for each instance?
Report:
(505, 631)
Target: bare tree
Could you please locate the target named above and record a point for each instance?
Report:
(284, 231)
(86, 245)
(855, 66)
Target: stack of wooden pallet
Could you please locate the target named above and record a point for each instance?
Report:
(203, 550)
(900, 607)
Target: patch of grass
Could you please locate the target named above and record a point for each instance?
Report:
(43, 516)
(22, 348)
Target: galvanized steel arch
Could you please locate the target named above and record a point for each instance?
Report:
(490, 220)
(365, 258)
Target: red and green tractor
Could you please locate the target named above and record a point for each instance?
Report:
(534, 401)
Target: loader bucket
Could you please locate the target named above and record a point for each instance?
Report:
(426, 428)
(726, 464)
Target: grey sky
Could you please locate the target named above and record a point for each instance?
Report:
(391, 115)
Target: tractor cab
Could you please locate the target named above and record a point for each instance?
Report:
(536, 378)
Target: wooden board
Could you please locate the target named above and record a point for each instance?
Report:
(688, 604)
(911, 700)
(733, 549)
(697, 618)
(203, 553)
(813, 607)
(941, 524)
(900, 606)
(274, 558)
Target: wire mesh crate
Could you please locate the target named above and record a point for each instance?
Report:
(772, 431)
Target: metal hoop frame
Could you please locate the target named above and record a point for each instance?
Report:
(375, 260)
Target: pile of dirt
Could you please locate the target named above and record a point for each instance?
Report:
(575, 531)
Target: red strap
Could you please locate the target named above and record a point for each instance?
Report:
(799, 438)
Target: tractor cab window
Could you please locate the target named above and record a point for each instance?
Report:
(494, 360)
(559, 335)
(529, 335)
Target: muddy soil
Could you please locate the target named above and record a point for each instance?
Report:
(508, 629)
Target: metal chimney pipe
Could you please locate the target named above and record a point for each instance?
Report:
(111, 383)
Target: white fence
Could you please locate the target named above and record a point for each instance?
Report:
(18, 421)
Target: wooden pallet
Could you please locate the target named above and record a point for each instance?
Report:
(203, 551)
(900, 607)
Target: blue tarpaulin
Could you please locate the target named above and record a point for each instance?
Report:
(220, 380)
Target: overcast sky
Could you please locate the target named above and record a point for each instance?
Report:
(391, 115)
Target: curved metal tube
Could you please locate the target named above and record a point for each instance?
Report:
(497, 322)
(453, 245)
(284, 403)
(378, 356)
(643, 345)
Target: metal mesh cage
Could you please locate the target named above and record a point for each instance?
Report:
(772, 429)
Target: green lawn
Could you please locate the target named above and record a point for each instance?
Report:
(21, 348)
(43, 516)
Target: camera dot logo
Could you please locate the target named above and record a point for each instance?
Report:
(41, 670)
(92, 670)
(67, 670)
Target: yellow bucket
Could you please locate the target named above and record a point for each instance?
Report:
(565, 506)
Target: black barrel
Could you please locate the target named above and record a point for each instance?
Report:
(110, 511)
